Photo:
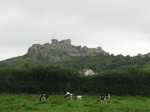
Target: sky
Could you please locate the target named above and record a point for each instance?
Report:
(118, 26)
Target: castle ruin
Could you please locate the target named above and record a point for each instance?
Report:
(62, 49)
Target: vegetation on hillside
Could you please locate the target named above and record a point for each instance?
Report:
(100, 64)
(119, 75)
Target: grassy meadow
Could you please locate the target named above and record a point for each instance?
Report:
(57, 103)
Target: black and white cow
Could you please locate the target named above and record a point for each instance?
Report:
(44, 97)
(68, 95)
(105, 98)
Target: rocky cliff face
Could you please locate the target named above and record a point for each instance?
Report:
(61, 50)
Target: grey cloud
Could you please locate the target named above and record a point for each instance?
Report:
(119, 26)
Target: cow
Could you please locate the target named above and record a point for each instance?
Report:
(78, 97)
(105, 98)
(68, 95)
(44, 97)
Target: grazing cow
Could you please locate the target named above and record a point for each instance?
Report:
(105, 98)
(43, 97)
(108, 96)
(78, 97)
(69, 95)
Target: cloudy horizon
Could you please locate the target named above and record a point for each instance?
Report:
(118, 26)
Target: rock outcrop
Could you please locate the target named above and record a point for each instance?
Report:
(87, 72)
(61, 50)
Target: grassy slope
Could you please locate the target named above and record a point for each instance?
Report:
(30, 103)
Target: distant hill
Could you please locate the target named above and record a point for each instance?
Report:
(63, 53)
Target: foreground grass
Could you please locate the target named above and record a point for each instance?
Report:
(56, 103)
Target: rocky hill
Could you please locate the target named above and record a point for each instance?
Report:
(61, 50)
(64, 54)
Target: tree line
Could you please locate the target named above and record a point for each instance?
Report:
(57, 80)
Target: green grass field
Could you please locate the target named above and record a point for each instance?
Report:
(56, 103)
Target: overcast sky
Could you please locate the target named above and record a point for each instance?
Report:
(119, 26)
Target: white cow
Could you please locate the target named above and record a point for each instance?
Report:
(78, 97)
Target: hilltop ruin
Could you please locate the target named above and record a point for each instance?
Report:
(57, 50)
